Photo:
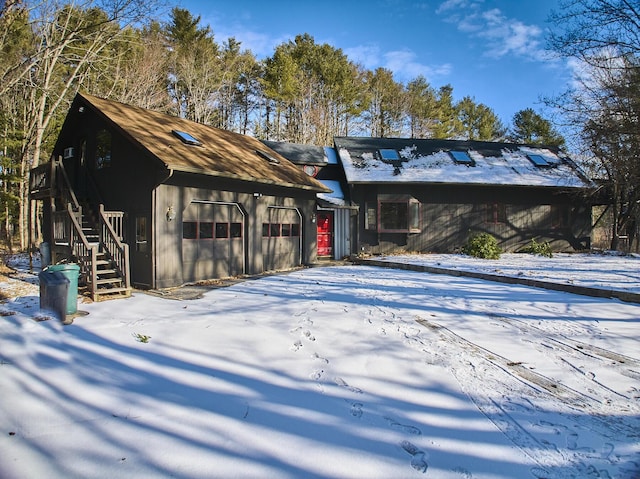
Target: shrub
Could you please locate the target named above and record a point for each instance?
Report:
(482, 245)
(541, 249)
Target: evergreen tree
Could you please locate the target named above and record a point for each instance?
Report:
(447, 124)
(531, 128)
(195, 69)
(421, 105)
(478, 121)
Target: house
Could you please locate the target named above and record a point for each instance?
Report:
(424, 195)
(337, 217)
(144, 199)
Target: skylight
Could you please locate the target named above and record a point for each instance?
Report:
(461, 157)
(267, 156)
(388, 154)
(538, 160)
(186, 138)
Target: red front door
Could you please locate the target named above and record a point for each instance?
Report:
(325, 233)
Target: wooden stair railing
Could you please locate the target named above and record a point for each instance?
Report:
(96, 243)
(116, 249)
(85, 252)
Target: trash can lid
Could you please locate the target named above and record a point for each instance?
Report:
(63, 267)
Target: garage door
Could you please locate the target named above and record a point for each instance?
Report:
(212, 241)
(281, 239)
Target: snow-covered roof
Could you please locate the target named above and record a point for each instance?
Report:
(336, 197)
(374, 160)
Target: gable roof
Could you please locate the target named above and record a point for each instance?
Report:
(317, 156)
(218, 153)
(304, 154)
(431, 161)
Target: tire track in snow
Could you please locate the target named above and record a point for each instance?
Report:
(512, 368)
(595, 356)
(475, 370)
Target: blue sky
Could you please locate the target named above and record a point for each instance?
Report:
(491, 50)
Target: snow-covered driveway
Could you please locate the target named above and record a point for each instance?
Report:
(336, 372)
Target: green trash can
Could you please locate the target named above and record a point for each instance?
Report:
(70, 271)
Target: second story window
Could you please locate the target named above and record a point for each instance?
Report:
(103, 149)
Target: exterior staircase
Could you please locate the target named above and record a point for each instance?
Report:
(85, 233)
(103, 278)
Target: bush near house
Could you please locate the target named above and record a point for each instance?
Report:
(540, 249)
(482, 245)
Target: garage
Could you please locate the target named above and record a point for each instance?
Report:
(212, 240)
(282, 238)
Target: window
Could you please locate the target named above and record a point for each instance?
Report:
(141, 234)
(222, 230)
(371, 217)
(538, 160)
(560, 215)
(205, 230)
(276, 230)
(461, 157)
(389, 155)
(186, 138)
(236, 230)
(399, 216)
(103, 149)
(268, 156)
(496, 213)
(190, 230)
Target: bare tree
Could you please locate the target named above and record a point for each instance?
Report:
(69, 40)
(602, 38)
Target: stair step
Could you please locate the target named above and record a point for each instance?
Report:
(116, 292)
(106, 271)
(102, 281)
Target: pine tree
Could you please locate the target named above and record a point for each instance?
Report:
(531, 128)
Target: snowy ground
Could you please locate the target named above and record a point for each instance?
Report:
(335, 372)
(597, 270)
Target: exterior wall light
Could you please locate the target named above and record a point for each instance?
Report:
(171, 213)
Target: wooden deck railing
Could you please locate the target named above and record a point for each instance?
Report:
(41, 180)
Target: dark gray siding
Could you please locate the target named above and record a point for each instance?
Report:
(180, 261)
(448, 214)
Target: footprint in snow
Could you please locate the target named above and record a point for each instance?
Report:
(463, 473)
(343, 384)
(296, 346)
(356, 409)
(418, 457)
(607, 449)
(320, 358)
(307, 334)
(572, 444)
(317, 374)
(403, 427)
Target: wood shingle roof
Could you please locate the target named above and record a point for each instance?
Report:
(219, 153)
